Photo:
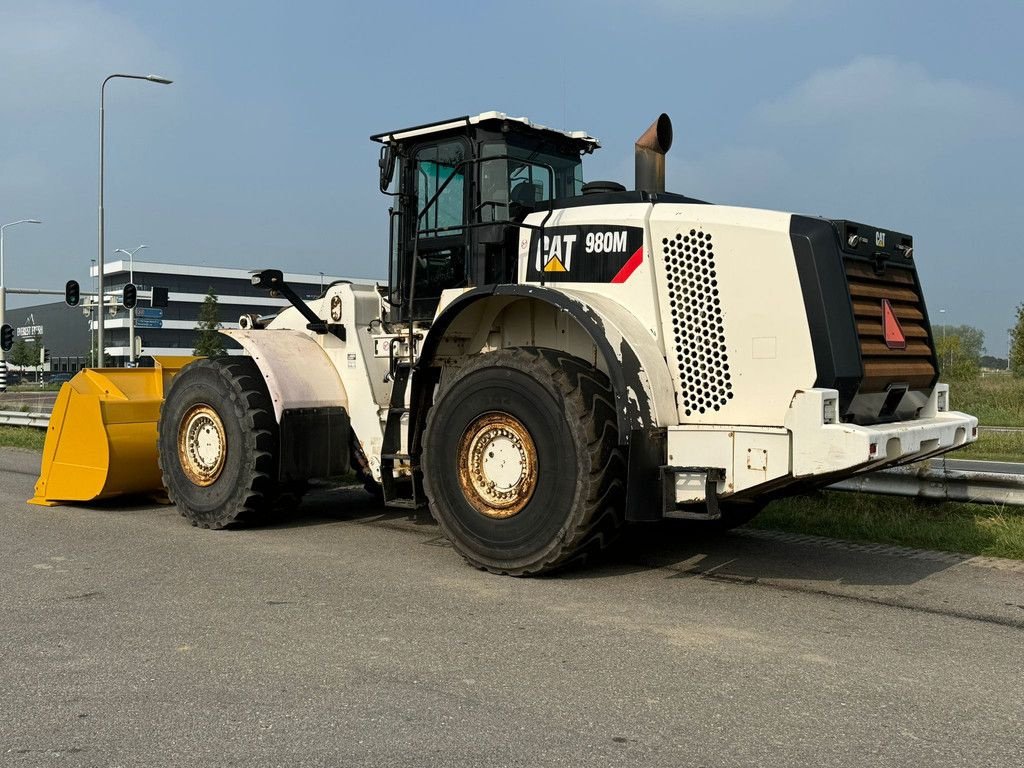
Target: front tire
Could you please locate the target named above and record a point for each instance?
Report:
(522, 464)
(218, 445)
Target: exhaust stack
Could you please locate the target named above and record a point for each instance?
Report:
(650, 155)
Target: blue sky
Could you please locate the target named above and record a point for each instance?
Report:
(905, 115)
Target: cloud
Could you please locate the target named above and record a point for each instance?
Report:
(882, 101)
(875, 137)
(710, 10)
(715, 9)
(733, 175)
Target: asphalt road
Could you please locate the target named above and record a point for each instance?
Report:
(355, 637)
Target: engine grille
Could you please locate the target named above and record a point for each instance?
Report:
(706, 384)
(914, 366)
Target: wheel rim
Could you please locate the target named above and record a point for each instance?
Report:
(202, 446)
(497, 465)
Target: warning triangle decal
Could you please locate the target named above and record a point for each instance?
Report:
(554, 265)
(891, 329)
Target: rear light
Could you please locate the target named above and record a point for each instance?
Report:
(829, 410)
(873, 449)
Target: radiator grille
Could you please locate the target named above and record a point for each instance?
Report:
(913, 366)
(706, 384)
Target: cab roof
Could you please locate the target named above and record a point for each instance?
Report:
(484, 117)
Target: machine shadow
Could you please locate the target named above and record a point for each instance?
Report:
(744, 556)
(329, 503)
(680, 549)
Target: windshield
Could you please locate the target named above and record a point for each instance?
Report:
(525, 178)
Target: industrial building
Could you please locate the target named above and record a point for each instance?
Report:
(68, 333)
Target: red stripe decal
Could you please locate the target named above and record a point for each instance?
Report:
(630, 266)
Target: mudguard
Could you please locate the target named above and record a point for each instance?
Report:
(309, 399)
(298, 372)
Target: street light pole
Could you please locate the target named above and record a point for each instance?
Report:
(3, 295)
(92, 332)
(131, 310)
(943, 312)
(99, 260)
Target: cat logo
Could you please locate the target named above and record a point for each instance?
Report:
(554, 253)
(880, 239)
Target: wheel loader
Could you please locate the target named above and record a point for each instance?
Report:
(551, 360)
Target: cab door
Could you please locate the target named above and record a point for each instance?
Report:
(433, 241)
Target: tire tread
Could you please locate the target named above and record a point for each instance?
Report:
(257, 496)
(586, 392)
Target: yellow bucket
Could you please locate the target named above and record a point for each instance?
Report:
(102, 441)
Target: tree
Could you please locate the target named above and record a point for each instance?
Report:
(1017, 343)
(209, 342)
(994, 363)
(959, 349)
(25, 353)
(955, 363)
(20, 353)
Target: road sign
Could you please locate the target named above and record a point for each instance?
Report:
(148, 312)
(148, 322)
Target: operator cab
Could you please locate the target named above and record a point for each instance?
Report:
(464, 187)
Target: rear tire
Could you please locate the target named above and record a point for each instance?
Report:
(218, 445)
(522, 464)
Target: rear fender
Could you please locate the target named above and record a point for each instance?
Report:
(629, 352)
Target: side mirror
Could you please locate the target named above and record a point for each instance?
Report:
(386, 163)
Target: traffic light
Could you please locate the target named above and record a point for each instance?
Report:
(71, 293)
(6, 337)
(129, 296)
(159, 298)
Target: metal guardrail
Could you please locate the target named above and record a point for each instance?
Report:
(25, 419)
(978, 482)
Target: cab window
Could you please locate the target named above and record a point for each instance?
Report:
(443, 216)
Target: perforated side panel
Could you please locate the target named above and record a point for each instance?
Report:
(697, 322)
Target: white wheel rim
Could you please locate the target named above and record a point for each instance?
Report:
(497, 465)
(202, 446)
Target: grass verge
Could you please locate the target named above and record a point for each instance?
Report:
(997, 401)
(971, 528)
(22, 437)
(994, 446)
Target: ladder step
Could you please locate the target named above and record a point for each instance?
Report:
(691, 514)
(398, 409)
(405, 504)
